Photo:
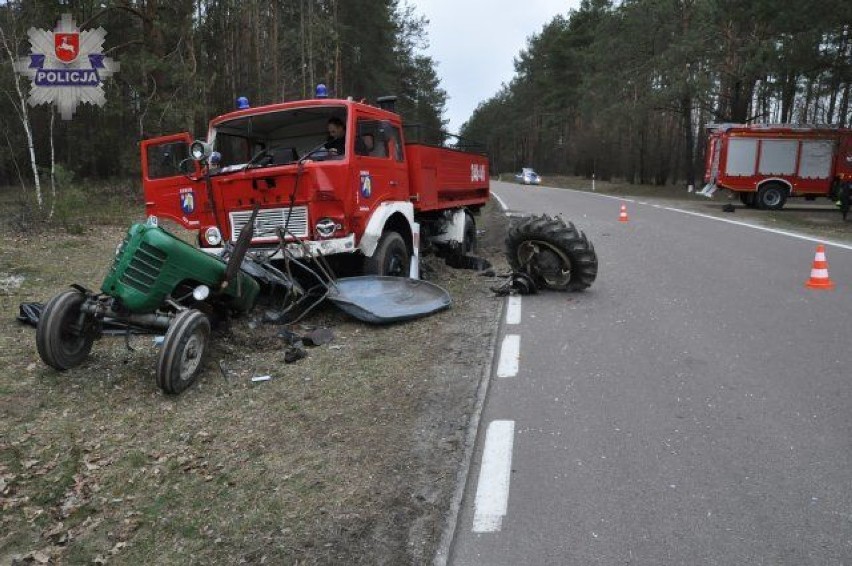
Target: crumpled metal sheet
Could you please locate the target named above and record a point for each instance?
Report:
(381, 300)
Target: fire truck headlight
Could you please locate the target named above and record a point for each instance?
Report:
(200, 150)
(212, 236)
(326, 227)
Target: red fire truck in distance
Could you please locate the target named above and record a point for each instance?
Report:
(768, 164)
(372, 200)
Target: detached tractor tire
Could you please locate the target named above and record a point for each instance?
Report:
(64, 335)
(184, 348)
(391, 257)
(555, 254)
(771, 196)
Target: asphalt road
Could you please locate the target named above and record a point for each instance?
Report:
(693, 407)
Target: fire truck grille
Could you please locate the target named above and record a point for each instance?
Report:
(269, 220)
(144, 268)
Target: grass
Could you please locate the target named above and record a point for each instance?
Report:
(320, 465)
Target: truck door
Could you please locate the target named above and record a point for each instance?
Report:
(172, 182)
(371, 166)
(397, 171)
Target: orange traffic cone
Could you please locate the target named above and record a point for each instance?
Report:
(819, 272)
(622, 216)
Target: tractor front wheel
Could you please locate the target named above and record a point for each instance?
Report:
(183, 351)
(65, 334)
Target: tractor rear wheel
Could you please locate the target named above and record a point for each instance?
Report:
(555, 254)
(183, 351)
(64, 335)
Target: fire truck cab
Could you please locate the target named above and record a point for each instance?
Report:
(373, 198)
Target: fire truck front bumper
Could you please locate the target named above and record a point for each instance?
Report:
(308, 248)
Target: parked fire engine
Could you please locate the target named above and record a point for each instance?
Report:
(767, 164)
(373, 200)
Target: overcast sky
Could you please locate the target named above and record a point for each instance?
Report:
(475, 43)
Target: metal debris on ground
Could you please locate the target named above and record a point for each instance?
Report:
(294, 353)
(30, 313)
(516, 283)
(289, 336)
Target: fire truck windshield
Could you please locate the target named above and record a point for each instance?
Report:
(274, 138)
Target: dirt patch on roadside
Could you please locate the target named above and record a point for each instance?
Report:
(347, 456)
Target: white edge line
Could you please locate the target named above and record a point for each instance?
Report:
(762, 228)
(510, 353)
(499, 200)
(448, 536)
(797, 235)
(513, 310)
(495, 473)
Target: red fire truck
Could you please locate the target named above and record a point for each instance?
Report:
(767, 164)
(371, 201)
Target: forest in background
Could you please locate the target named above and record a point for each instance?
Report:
(626, 89)
(185, 61)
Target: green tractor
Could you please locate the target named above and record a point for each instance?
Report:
(157, 282)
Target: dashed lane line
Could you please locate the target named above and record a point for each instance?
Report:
(492, 492)
(510, 354)
(513, 310)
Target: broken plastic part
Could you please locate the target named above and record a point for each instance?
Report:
(380, 300)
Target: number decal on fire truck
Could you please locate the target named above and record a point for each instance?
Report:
(187, 201)
(366, 184)
(477, 172)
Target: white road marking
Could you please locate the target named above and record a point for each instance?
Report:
(499, 201)
(513, 310)
(510, 354)
(492, 490)
(763, 228)
(710, 217)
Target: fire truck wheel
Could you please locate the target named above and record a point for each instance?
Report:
(183, 351)
(64, 335)
(771, 196)
(390, 258)
(469, 243)
(555, 254)
(748, 199)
